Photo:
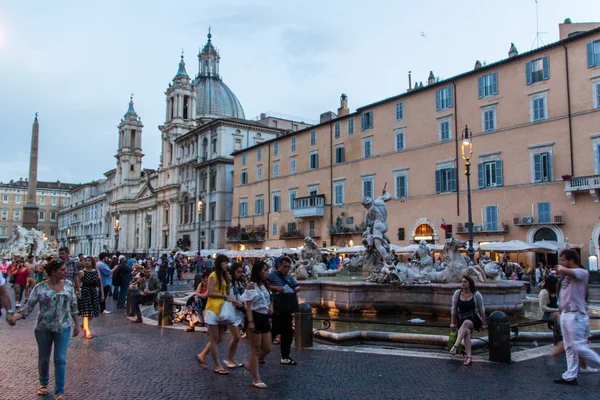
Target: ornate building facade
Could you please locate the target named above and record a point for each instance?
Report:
(151, 211)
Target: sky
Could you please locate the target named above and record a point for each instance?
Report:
(77, 62)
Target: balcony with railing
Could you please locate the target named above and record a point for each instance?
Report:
(528, 220)
(309, 206)
(590, 184)
(285, 234)
(483, 229)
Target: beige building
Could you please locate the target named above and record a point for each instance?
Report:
(50, 197)
(535, 120)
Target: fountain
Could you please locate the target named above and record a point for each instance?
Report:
(29, 241)
(415, 288)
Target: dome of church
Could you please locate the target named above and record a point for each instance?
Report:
(214, 98)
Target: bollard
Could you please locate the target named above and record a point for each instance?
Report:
(129, 311)
(303, 334)
(165, 309)
(499, 337)
(197, 280)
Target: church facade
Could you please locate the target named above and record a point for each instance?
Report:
(186, 203)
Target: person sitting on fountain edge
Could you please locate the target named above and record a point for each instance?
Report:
(149, 286)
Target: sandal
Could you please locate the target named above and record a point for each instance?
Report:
(453, 350)
(260, 385)
(221, 371)
(203, 363)
(468, 361)
(42, 390)
(234, 364)
(88, 335)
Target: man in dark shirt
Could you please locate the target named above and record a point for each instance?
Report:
(282, 282)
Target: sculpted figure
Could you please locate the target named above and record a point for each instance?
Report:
(309, 265)
(375, 241)
(424, 253)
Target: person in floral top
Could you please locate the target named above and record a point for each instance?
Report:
(58, 313)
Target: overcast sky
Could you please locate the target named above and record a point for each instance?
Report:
(76, 62)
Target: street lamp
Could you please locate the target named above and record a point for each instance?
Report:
(467, 152)
(117, 228)
(200, 205)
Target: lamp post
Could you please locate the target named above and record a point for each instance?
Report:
(117, 228)
(200, 205)
(467, 152)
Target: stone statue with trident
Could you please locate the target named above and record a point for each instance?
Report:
(375, 241)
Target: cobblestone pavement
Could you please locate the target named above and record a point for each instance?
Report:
(137, 361)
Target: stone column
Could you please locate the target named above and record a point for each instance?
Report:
(30, 211)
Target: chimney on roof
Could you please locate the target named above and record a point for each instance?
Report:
(477, 64)
(431, 79)
(343, 110)
(263, 115)
(420, 84)
(513, 51)
(409, 81)
(327, 116)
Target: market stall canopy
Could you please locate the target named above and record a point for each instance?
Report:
(411, 248)
(349, 250)
(513, 246)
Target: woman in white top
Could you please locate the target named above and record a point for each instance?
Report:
(258, 309)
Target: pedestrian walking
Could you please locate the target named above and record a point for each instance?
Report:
(106, 278)
(20, 274)
(281, 284)
(468, 310)
(258, 309)
(574, 320)
(236, 289)
(91, 294)
(57, 316)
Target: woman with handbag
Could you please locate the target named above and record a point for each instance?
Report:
(217, 296)
(236, 289)
(258, 309)
(468, 308)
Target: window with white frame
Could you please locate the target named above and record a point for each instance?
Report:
(596, 93)
(4, 214)
(337, 130)
(366, 120)
(259, 205)
(292, 194)
(367, 147)
(276, 148)
(274, 229)
(537, 70)
(491, 218)
(42, 215)
(259, 173)
(276, 202)
(243, 159)
(490, 174)
(314, 160)
(596, 150)
(17, 214)
(487, 85)
(368, 184)
(5, 198)
(243, 208)
(445, 179)
(350, 126)
(275, 169)
(54, 201)
(401, 184)
(399, 111)
(338, 193)
(313, 190)
(445, 129)
(293, 145)
(259, 154)
(538, 107)
(52, 215)
(292, 166)
(543, 213)
(399, 135)
(593, 54)
(340, 155)
(541, 163)
(3, 230)
(488, 119)
(443, 98)
(18, 199)
(243, 178)
(313, 137)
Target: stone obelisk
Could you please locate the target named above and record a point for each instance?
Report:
(30, 211)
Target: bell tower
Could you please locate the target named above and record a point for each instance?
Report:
(180, 115)
(129, 153)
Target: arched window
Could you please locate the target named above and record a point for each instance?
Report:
(544, 234)
(214, 145)
(424, 232)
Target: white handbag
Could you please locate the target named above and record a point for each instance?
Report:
(227, 315)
